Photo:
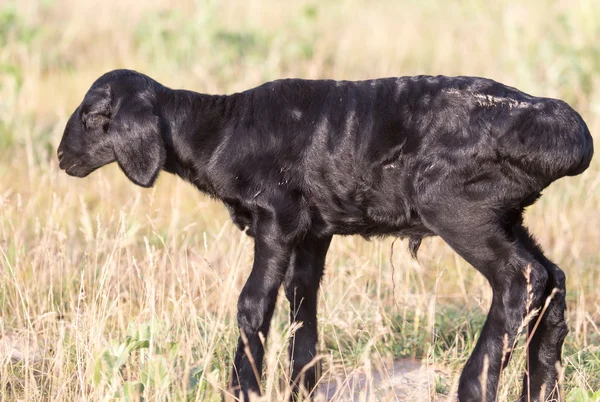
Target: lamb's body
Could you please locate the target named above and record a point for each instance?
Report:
(353, 156)
(297, 162)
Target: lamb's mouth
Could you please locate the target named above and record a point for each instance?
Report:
(82, 172)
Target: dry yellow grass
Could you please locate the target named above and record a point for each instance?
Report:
(111, 291)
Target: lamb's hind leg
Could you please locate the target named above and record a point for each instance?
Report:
(540, 382)
(479, 238)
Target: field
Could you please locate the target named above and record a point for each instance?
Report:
(109, 291)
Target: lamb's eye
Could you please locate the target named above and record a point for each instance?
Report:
(92, 120)
(84, 120)
(95, 120)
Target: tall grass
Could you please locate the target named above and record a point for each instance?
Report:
(112, 291)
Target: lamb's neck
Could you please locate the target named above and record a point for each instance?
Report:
(196, 124)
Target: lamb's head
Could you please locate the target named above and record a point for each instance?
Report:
(117, 121)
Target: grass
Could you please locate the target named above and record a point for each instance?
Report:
(108, 291)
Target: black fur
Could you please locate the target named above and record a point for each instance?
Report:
(298, 161)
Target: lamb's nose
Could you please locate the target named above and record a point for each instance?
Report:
(60, 154)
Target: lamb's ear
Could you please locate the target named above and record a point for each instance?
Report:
(138, 142)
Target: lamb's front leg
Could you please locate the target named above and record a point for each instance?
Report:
(256, 304)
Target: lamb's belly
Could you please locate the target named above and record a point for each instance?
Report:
(367, 217)
(366, 201)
